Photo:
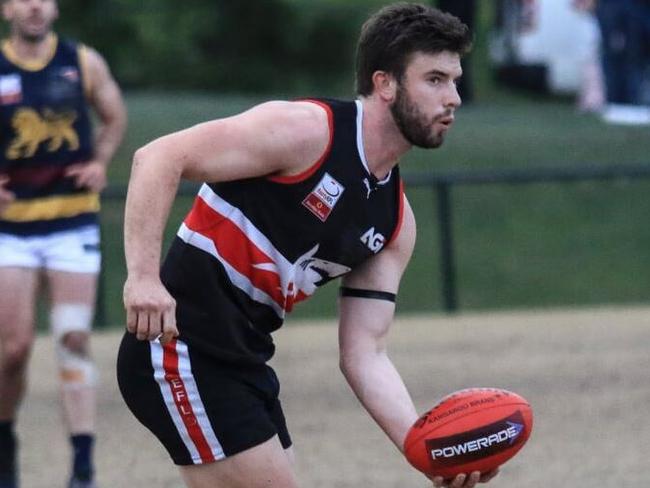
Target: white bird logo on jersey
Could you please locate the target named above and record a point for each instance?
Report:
(312, 272)
(301, 278)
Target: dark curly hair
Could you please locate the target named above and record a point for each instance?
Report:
(392, 35)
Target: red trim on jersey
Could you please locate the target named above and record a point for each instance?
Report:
(300, 296)
(36, 176)
(288, 180)
(400, 215)
(234, 246)
(183, 405)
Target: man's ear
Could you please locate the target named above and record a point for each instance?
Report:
(385, 85)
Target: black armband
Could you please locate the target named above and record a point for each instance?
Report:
(344, 291)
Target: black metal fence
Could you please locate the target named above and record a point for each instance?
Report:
(442, 184)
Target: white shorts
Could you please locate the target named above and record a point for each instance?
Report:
(75, 251)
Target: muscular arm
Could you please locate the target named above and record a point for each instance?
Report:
(363, 330)
(363, 333)
(274, 138)
(106, 100)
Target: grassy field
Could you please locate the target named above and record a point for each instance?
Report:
(517, 246)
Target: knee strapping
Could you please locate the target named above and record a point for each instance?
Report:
(70, 317)
(76, 368)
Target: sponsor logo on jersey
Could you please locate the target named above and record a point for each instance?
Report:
(11, 90)
(323, 197)
(478, 443)
(369, 188)
(70, 73)
(373, 240)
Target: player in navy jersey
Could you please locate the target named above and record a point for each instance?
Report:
(52, 169)
(294, 194)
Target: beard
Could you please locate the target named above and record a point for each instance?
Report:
(412, 123)
(33, 38)
(31, 34)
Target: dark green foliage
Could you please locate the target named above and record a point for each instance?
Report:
(225, 45)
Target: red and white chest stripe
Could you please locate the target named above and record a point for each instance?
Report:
(251, 261)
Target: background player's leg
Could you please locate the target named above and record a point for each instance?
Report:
(265, 466)
(17, 301)
(72, 309)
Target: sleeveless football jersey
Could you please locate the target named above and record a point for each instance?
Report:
(44, 127)
(250, 249)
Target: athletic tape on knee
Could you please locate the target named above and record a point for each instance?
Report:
(70, 317)
(76, 368)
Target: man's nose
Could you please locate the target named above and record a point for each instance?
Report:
(453, 97)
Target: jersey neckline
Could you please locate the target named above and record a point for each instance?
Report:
(361, 149)
(31, 65)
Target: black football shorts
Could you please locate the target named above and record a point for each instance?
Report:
(202, 410)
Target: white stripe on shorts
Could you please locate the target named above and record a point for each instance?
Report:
(183, 401)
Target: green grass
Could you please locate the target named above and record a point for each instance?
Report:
(517, 245)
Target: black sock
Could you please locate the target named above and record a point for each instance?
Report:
(83, 447)
(8, 446)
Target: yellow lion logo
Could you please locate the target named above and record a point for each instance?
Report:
(32, 130)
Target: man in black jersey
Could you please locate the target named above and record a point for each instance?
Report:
(52, 168)
(295, 194)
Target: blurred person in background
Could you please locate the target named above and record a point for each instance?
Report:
(296, 194)
(52, 169)
(625, 28)
(591, 92)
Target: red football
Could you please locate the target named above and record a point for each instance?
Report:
(477, 429)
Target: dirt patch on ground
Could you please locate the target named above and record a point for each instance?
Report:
(586, 373)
